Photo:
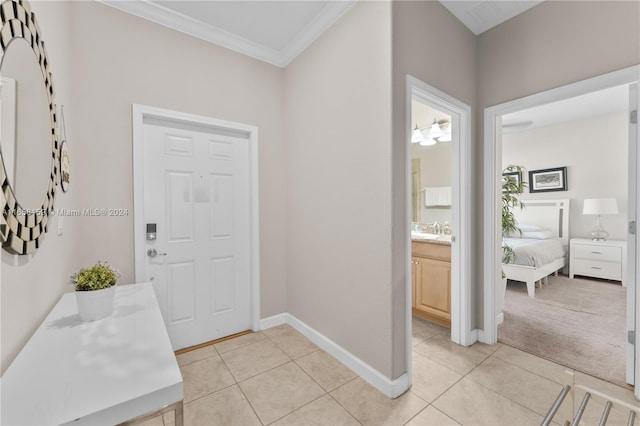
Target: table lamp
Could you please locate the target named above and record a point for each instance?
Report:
(599, 206)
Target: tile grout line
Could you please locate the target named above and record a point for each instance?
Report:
(238, 383)
(338, 402)
(498, 393)
(533, 372)
(246, 398)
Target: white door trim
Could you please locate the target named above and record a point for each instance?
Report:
(460, 112)
(492, 175)
(139, 113)
(633, 371)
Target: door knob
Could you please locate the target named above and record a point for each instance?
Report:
(153, 253)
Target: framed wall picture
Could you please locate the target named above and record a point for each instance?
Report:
(514, 176)
(548, 180)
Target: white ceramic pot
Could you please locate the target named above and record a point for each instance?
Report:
(96, 304)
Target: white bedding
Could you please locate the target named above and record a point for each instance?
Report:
(534, 252)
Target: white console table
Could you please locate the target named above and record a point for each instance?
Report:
(94, 373)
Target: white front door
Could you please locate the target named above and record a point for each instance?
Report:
(196, 186)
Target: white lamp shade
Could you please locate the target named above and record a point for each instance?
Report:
(435, 131)
(600, 206)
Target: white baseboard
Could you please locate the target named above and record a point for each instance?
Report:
(480, 335)
(500, 318)
(273, 321)
(389, 387)
(472, 337)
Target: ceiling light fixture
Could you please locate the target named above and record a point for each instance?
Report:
(435, 131)
(446, 128)
(427, 142)
(417, 135)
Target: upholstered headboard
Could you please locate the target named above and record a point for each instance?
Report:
(549, 214)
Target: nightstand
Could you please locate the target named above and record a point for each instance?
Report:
(598, 259)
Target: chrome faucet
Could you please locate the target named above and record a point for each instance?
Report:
(446, 229)
(436, 228)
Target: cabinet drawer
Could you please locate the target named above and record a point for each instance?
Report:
(607, 254)
(597, 269)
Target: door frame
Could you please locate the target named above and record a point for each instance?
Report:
(461, 332)
(492, 188)
(141, 112)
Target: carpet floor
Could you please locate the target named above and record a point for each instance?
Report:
(578, 323)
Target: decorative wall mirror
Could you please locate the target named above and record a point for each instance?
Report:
(28, 131)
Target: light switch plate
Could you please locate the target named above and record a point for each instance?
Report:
(60, 223)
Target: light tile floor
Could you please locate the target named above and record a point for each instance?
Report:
(279, 377)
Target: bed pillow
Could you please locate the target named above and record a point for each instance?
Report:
(538, 235)
(527, 228)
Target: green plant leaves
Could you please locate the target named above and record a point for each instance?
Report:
(99, 276)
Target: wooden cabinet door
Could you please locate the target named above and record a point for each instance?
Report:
(433, 289)
(415, 271)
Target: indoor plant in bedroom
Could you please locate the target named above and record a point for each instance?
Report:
(95, 290)
(512, 187)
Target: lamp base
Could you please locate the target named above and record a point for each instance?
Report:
(598, 233)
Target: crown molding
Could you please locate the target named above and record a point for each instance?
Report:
(328, 16)
(159, 14)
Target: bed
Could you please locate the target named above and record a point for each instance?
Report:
(537, 258)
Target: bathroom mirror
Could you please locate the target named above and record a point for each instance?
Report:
(28, 131)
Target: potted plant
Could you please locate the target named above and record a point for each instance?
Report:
(511, 189)
(95, 290)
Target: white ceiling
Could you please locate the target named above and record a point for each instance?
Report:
(271, 31)
(479, 16)
(580, 107)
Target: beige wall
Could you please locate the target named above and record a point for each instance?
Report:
(31, 285)
(338, 109)
(148, 64)
(595, 151)
(423, 30)
(550, 45)
(114, 60)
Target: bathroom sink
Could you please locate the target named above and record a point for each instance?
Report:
(424, 236)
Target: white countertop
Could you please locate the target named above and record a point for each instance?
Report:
(101, 372)
(422, 237)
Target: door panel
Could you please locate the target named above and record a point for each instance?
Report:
(180, 206)
(223, 292)
(221, 206)
(196, 191)
(182, 288)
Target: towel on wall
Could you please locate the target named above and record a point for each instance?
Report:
(437, 196)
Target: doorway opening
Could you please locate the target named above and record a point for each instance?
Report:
(579, 315)
(438, 196)
(627, 199)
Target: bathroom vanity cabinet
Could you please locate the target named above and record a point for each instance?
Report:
(431, 281)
